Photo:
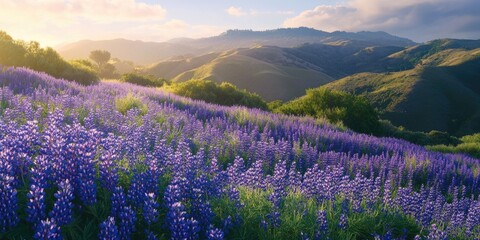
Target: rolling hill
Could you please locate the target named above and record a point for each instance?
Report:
(442, 91)
(268, 79)
(149, 52)
(280, 73)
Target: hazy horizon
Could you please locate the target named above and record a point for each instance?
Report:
(56, 22)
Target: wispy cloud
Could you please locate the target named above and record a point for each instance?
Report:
(236, 11)
(239, 12)
(53, 22)
(61, 12)
(417, 19)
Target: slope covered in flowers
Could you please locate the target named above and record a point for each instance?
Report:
(117, 161)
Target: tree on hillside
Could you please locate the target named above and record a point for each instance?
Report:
(101, 57)
(19, 53)
(12, 54)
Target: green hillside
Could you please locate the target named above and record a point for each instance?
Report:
(417, 54)
(441, 93)
(281, 73)
(270, 79)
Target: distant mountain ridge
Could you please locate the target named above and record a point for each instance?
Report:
(292, 37)
(137, 51)
(149, 52)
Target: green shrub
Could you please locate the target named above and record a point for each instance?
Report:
(354, 112)
(223, 94)
(475, 138)
(81, 73)
(273, 105)
(129, 102)
(470, 148)
(387, 129)
(147, 81)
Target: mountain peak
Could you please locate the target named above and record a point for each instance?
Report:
(309, 35)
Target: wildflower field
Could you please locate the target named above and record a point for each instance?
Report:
(118, 161)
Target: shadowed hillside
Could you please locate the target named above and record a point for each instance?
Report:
(441, 93)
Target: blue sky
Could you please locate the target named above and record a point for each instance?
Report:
(54, 22)
(260, 14)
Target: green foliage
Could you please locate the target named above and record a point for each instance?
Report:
(298, 214)
(223, 94)
(474, 138)
(80, 72)
(470, 145)
(472, 149)
(387, 129)
(129, 102)
(147, 81)
(31, 55)
(274, 105)
(354, 112)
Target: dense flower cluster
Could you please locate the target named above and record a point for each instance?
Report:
(62, 210)
(163, 171)
(108, 230)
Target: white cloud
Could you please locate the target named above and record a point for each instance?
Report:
(235, 11)
(239, 12)
(417, 19)
(60, 12)
(53, 22)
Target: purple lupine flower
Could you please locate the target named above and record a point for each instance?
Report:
(108, 230)
(264, 225)
(342, 224)
(274, 218)
(436, 234)
(150, 206)
(137, 190)
(473, 218)
(126, 225)
(108, 169)
(150, 235)
(36, 209)
(62, 210)
(214, 233)
(180, 225)
(48, 230)
(227, 224)
(8, 203)
(322, 223)
(118, 201)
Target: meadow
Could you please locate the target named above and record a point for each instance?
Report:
(119, 161)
